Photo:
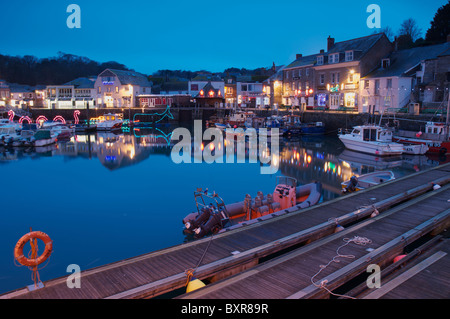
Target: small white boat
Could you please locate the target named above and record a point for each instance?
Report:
(110, 122)
(415, 149)
(371, 139)
(222, 126)
(367, 180)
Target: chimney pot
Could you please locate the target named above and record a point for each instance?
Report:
(298, 56)
(330, 43)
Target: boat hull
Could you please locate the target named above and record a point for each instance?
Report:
(375, 148)
(436, 147)
(307, 196)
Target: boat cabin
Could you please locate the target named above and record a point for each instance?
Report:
(372, 133)
(435, 128)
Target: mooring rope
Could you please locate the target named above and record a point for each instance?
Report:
(190, 272)
(361, 241)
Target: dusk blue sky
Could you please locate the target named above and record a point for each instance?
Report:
(195, 34)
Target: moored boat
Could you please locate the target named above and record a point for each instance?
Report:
(110, 122)
(214, 216)
(371, 139)
(367, 180)
(436, 138)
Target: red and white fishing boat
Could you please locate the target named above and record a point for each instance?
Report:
(436, 138)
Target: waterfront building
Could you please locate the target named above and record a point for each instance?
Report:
(273, 87)
(230, 89)
(198, 84)
(75, 94)
(338, 71)
(163, 100)
(330, 79)
(22, 96)
(209, 96)
(5, 93)
(298, 82)
(119, 88)
(405, 78)
(250, 93)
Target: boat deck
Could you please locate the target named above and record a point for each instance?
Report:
(163, 271)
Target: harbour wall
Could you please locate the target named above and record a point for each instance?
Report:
(332, 120)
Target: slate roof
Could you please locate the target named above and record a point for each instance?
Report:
(405, 60)
(128, 77)
(360, 46)
(303, 61)
(82, 83)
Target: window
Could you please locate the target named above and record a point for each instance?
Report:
(349, 56)
(244, 87)
(377, 87)
(99, 89)
(333, 77)
(389, 84)
(117, 89)
(307, 71)
(322, 79)
(333, 58)
(385, 63)
(287, 74)
(194, 87)
(366, 84)
(320, 60)
(338, 77)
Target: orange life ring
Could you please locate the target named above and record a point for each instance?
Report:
(18, 250)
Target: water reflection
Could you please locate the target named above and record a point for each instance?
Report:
(160, 195)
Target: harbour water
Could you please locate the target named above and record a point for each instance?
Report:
(105, 197)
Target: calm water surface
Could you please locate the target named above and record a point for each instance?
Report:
(104, 197)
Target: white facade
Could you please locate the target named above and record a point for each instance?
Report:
(69, 97)
(118, 89)
(251, 94)
(384, 93)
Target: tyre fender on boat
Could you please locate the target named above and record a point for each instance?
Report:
(18, 250)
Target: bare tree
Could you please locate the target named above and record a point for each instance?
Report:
(410, 28)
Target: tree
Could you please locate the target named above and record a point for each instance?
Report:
(440, 26)
(409, 28)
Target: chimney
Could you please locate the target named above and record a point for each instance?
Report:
(330, 42)
(322, 51)
(298, 56)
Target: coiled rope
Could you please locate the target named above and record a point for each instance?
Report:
(361, 241)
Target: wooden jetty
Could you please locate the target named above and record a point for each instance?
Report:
(298, 241)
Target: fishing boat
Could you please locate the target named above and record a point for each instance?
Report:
(436, 138)
(415, 149)
(367, 180)
(213, 216)
(110, 122)
(294, 126)
(371, 139)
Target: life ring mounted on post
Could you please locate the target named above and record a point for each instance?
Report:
(30, 237)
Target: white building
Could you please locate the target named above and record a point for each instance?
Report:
(250, 93)
(118, 88)
(391, 86)
(71, 95)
